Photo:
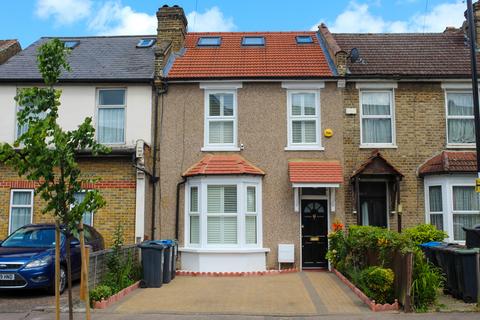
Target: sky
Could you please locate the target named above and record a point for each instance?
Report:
(28, 20)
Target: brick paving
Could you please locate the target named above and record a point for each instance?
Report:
(300, 294)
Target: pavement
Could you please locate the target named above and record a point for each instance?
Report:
(305, 294)
(39, 299)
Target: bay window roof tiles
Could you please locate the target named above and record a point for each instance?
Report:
(223, 165)
(280, 57)
(450, 162)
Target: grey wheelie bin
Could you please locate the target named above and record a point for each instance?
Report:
(466, 267)
(153, 263)
(168, 256)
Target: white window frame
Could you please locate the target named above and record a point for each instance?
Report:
(391, 93)
(12, 191)
(317, 118)
(207, 146)
(92, 214)
(447, 183)
(98, 107)
(427, 204)
(448, 117)
(241, 182)
(189, 213)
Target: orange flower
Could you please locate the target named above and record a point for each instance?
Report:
(337, 226)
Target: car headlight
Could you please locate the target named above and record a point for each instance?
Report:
(39, 262)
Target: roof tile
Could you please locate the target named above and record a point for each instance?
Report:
(450, 161)
(280, 57)
(315, 171)
(222, 165)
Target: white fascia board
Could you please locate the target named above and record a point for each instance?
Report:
(303, 85)
(376, 85)
(220, 85)
(456, 85)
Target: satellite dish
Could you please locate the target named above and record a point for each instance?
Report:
(354, 55)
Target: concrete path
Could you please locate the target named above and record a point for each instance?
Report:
(298, 294)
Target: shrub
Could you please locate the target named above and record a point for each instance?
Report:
(377, 283)
(337, 249)
(100, 293)
(427, 280)
(424, 233)
(123, 271)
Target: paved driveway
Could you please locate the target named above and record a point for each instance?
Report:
(27, 300)
(300, 294)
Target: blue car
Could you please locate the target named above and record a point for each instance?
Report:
(27, 257)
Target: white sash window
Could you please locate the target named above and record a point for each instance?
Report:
(377, 121)
(21, 209)
(111, 116)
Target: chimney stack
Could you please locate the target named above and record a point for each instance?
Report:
(172, 26)
(476, 17)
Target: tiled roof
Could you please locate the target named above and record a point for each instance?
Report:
(222, 165)
(114, 58)
(450, 161)
(408, 54)
(377, 164)
(315, 171)
(281, 57)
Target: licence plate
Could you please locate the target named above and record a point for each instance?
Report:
(7, 276)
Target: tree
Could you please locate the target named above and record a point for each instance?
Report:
(46, 153)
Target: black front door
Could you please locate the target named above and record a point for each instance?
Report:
(314, 233)
(373, 203)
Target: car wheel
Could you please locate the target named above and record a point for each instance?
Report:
(63, 282)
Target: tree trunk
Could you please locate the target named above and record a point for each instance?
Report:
(69, 278)
(57, 271)
(84, 283)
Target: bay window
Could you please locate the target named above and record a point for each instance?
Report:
(223, 212)
(460, 119)
(377, 118)
(111, 105)
(452, 204)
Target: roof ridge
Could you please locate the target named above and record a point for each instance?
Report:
(93, 37)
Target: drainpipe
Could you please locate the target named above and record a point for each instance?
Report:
(155, 178)
(177, 206)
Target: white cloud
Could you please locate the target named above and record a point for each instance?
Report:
(358, 18)
(210, 21)
(114, 19)
(63, 11)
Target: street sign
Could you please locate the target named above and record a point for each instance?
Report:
(477, 185)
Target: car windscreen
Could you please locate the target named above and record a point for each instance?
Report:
(32, 238)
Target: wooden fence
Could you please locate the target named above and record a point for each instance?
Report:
(403, 268)
(97, 267)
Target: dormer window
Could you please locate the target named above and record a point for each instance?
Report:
(145, 43)
(304, 39)
(253, 41)
(70, 44)
(209, 41)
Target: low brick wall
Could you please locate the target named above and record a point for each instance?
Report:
(97, 267)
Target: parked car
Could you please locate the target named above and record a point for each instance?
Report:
(27, 257)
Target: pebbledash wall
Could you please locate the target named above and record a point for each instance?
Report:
(125, 189)
(262, 129)
(420, 134)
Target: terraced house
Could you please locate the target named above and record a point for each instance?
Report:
(251, 146)
(408, 129)
(110, 81)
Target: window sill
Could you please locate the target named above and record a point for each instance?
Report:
(304, 148)
(378, 146)
(460, 146)
(220, 149)
(224, 250)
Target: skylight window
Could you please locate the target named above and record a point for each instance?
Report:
(209, 41)
(145, 43)
(304, 39)
(70, 44)
(253, 41)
